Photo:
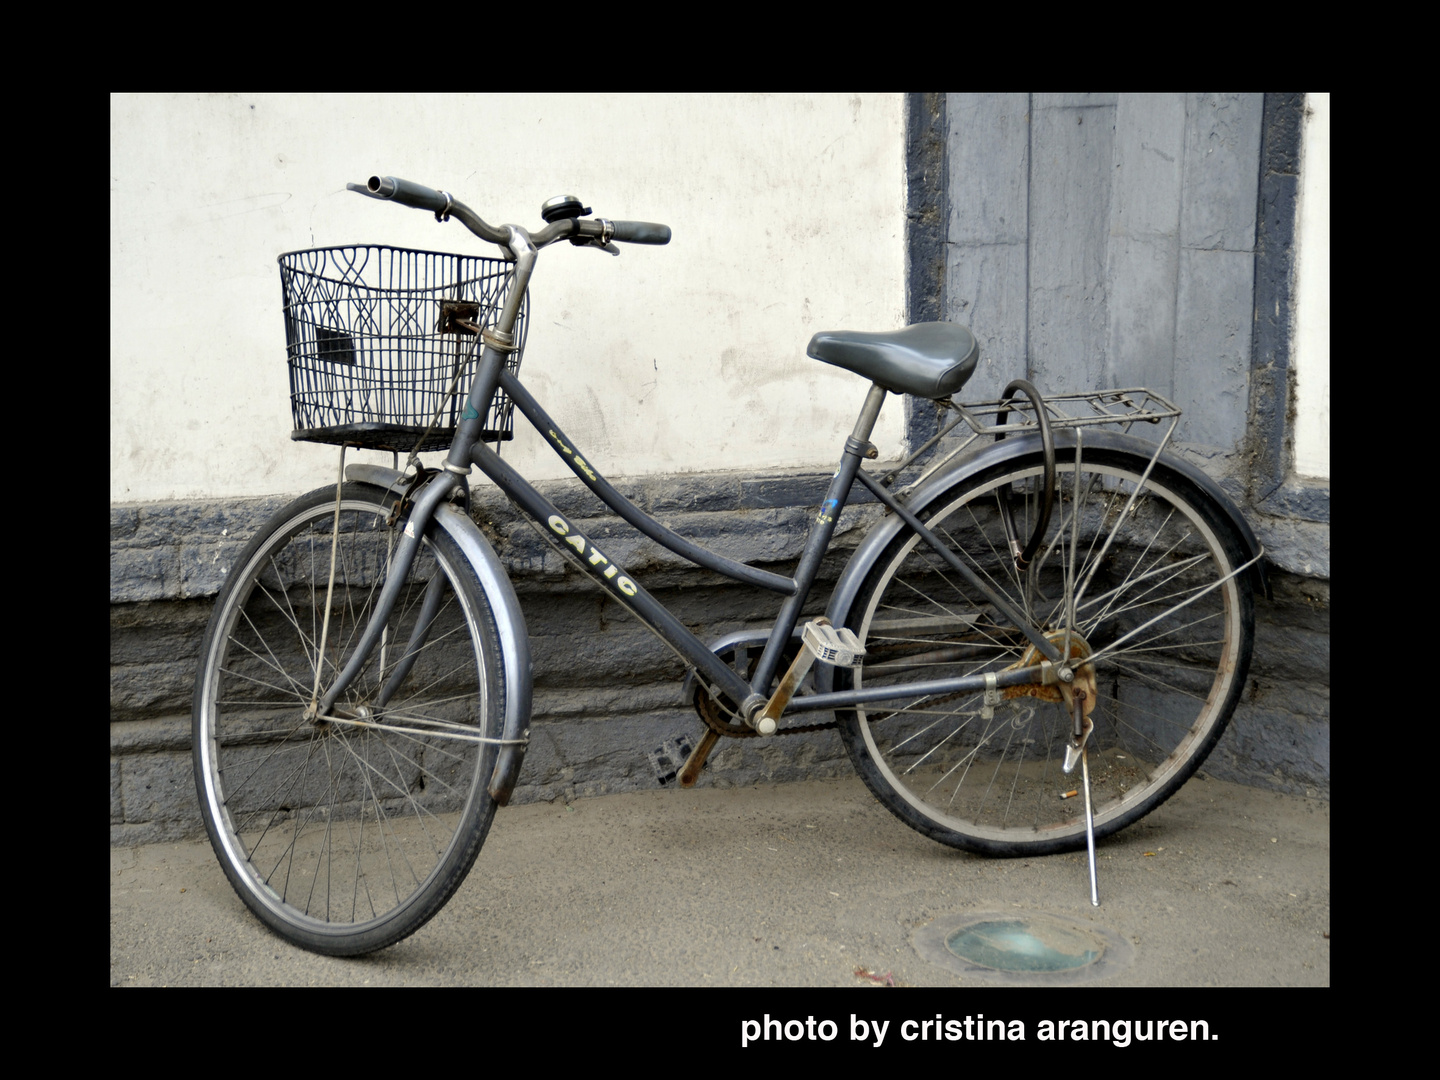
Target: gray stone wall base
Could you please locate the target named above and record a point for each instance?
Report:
(608, 715)
(577, 750)
(1279, 737)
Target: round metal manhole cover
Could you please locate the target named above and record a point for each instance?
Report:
(1024, 945)
(1027, 948)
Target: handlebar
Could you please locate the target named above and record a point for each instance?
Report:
(641, 232)
(403, 192)
(443, 205)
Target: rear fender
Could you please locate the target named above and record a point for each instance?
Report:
(848, 587)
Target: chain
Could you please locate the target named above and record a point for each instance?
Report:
(710, 708)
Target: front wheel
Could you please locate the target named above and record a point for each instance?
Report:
(1152, 571)
(346, 835)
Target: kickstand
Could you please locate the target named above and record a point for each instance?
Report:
(1089, 826)
(1079, 747)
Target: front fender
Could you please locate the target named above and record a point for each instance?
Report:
(509, 622)
(996, 453)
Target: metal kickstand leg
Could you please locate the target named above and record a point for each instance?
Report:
(1078, 747)
(1089, 826)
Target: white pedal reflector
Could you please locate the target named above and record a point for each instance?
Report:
(833, 645)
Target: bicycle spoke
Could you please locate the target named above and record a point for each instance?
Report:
(1101, 601)
(955, 590)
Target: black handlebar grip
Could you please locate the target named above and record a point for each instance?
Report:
(641, 232)
(404, 192)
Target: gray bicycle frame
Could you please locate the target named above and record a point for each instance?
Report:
(582, 551)
(719, 677)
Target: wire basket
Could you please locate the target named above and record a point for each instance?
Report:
(376, 347)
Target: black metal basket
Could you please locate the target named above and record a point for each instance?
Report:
(376, 346)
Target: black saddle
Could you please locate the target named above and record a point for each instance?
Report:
(929, 360)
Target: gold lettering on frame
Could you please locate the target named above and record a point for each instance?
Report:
(560, 527)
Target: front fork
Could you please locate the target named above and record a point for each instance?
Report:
(430, 497)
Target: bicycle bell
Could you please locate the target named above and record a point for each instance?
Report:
(561, 207)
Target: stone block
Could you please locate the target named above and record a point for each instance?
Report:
(988, 151)
(1213, 322)
(1148, 153)
(1222, 161)
(986, 291)
(158, 789)
(1141, 312)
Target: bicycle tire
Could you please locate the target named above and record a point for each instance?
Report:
(345, 839)
(994, 784)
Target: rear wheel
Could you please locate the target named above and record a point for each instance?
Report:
(345, 836)
(1158, 602)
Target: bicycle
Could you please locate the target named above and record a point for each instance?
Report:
(1063, 594)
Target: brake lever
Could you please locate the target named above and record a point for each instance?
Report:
(591, 241)
(607, 230)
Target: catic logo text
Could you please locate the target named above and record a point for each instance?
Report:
(588, 551)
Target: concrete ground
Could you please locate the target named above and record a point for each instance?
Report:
(808, 884)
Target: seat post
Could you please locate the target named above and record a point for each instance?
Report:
(816, 544)
(869, 413)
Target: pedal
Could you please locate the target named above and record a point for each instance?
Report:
(834, 645)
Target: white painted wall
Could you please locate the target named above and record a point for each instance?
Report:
(788, 218)
(1312, 295)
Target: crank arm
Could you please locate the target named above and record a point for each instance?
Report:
(819, 641)
(690, 771)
